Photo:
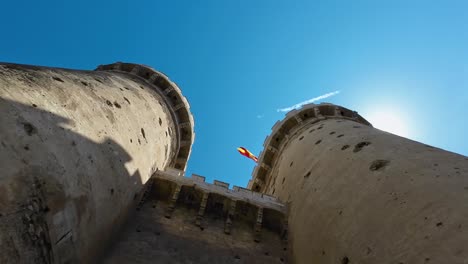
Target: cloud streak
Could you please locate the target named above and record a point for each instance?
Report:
(296, 106)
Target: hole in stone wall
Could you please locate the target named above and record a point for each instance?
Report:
(282, 182)
(318, 142)
(117, 105)
(160, 122)
(340, 135)
(345, 260)
(34, 105)
(331, 133)
(312, 130)
(292, 162)
(307, 175)
(143, 133)
(112, 191)
(29, 129)
(378, 165)
(98, 80)
(344, 147)
(301, 138)
(57, 79)
(128, 101)
(84, 83)
(109, 103)
(361, 145)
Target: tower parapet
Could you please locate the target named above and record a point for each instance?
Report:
(290, 126)
(176, 102)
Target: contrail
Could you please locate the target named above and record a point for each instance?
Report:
(296, 106)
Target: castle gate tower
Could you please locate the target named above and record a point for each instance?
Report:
(76, 147)
(357, 194)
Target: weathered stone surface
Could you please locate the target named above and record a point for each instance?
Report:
(360, 195)
(76, 148)
(152, 238)
(83, 152)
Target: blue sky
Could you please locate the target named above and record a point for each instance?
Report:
(237, 61)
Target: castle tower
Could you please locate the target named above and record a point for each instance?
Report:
(76, 149)
(357, 194)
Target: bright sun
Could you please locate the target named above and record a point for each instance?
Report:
(389, 121)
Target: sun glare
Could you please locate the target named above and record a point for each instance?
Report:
(389, 121)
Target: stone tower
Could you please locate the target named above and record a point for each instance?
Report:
(76, 149)
(92, 171)
(356, 194)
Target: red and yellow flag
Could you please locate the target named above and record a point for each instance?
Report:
(244, 152)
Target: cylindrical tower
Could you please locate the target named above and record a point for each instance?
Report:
(357, 194)
(76, 149)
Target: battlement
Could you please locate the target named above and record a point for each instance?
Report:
(283, 130)
(176, 102)
(210, 222)
(237, 193)
(259, 209)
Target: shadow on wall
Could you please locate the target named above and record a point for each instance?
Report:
(62, 195)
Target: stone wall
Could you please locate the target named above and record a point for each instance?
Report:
(185, 220)
(360, 195)
(76, 147)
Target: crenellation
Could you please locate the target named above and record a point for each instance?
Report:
(237, 193)
(221, 184)
(198, 178)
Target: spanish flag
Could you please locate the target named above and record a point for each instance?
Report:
(244, 152)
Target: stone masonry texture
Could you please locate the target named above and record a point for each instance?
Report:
(76, 147)
(92, 170)
(357, 194)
